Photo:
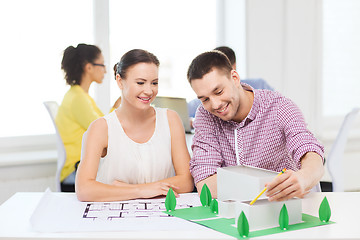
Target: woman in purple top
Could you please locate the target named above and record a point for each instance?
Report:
(238, 125)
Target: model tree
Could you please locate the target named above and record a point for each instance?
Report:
(214, 206)
(205, 196)
(284, 218)
(170, 201)
(324, 210)
(243, 225)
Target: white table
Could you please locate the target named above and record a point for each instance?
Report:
(15, 214)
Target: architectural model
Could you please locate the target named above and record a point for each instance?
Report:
(232, 213)
(233, 200)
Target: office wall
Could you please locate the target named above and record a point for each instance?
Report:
(27, 167)
(26, 173)
(284, 47)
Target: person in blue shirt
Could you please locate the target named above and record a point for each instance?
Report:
(257, 83)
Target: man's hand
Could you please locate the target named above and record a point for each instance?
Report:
(288, 185)
(297, 184)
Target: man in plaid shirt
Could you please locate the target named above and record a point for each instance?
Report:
(239, 125)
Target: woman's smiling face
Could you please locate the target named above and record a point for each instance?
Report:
(141, 85)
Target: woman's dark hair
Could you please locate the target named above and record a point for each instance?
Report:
(133, 57)
(206, 62)
(74, 60)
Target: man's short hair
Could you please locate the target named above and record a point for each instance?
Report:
(229, 53)
(206, 62)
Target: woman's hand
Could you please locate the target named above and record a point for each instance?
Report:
(156, 189)
(149, 190)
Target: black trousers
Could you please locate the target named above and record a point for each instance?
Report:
(67, 187)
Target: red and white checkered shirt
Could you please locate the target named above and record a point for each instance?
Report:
(272, 136)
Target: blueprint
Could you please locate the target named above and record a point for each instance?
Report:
(128, 209)
(65, 213)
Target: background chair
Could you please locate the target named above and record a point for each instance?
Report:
(52, 108)
(335, 159)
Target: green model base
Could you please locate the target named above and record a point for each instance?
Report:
(203, 216)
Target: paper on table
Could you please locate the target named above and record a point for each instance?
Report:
(64, 213)
(55, 213)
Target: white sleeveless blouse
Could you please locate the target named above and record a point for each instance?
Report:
(137, 163)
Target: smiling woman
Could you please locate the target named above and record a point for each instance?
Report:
(137, 151)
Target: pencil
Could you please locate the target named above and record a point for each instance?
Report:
(253, 201)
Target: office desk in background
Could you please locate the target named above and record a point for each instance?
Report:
(15, 214)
